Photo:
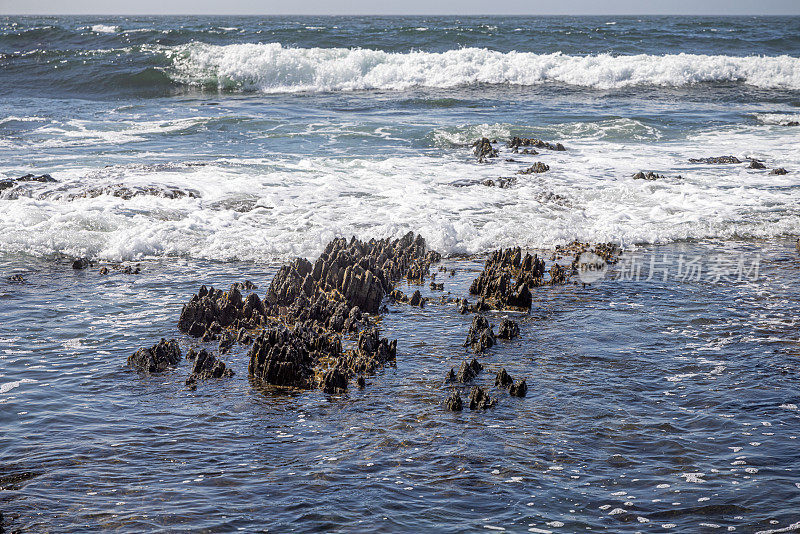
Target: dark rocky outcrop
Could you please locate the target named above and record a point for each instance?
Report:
(503, 379)
(225, 308)
(779, 171)
(506, 278)
(508, 329)
(335, 380)
(454, 403)
(416, 299)
(436, 286)
(719, 160)
(755, 164)
(517, 142)
(467, 371)
(44, 178)
(283, 357)
(6, 184)
(157, 358)
(502, 183)
(479, 399)
(126, 192)
(483, 149)
(16, 279)
(536, 168)
(518, 389)
(480, 336)
(81, 263)
(207, 366)
(650, 175)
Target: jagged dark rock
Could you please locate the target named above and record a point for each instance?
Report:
(468, 371)
(81, 263)
(16, 279)
(226, 341)
(779, 171)
(519, 389)
(479, 399)
(361, 382)
(44, 178)
(508, 329)
(719, 160)
(372, 352)
(483, 149)
(226, 308)
(6, 184)
(284, 357)
(517, 142)
(503, 379)
(480, 336)
(506, 278)
(502, 183)
(127, 192)
(416, 299)
(650, 175)
(157, 358)
(536, 168)
(454, 403)
(334, 381)
(206, 366)
(755, 164)
(436, 286)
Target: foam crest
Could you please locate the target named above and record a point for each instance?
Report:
(273, 68)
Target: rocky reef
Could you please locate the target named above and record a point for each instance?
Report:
(718, 160)
(517, 142)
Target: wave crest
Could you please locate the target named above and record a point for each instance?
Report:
(273, 68)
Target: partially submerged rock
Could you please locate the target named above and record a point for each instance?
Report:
(43, 178)
(536, 168)
(502, 183)
(467, 371)
(650, 175)
(480, 336)
(517, 142)
(81, 263)
(518, 389)
(755, 164)
(207, 365)
(503, 379)
(479, 399)
(453, 402)
(506, 278)
(719, 160)
(483, 149)
(157, 358)
(283, 357)
(779, 171)
(508, 329)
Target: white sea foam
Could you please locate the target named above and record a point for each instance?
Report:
(274, 68)
(268, 208)
(105, 28)
(8, 386)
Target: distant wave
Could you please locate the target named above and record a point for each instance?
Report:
(273, 68)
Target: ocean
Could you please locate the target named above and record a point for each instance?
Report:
(210, 150)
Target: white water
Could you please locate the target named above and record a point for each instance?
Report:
(273, 68)
(290, 205)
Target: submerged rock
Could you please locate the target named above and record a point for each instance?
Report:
(480, 336)
(454, 403)
(719, 160)
(157, 358)
(508, 329)
(479, 399)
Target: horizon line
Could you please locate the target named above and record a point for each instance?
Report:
(396, 15)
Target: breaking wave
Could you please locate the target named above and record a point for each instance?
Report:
(273, 68)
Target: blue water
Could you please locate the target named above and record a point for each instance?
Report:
(211, 149)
